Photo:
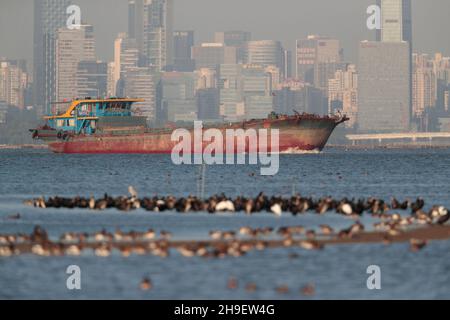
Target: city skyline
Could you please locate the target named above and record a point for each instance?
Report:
(347, 23)
(253, 76)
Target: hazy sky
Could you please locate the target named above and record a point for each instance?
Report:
(285, 20)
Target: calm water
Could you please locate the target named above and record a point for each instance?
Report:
(336, 272)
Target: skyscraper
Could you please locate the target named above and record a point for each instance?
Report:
(302, 98)
(92, 79)
(314, 55)
(150, 22)
(126, 56)
(49, 16)
(396, 26)
(287, 64)
(343, 93)
(178, 95)
(424, 85)
(72, 47)
(231, 98)
(384, 87)
(236, 39)
(264, 53)
(208, 104)
(396, 23)
(183, 43)
(233, 38)
(140, 82)
(13, 83)
(206, 78)
(211, 55)
(245, 91)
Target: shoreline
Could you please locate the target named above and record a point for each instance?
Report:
(328, 146)
(385, 147)
(23, 146)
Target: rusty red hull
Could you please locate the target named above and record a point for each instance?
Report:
(295, 135)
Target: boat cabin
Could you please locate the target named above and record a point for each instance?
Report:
(85, 116)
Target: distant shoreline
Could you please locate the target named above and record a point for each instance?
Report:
(374, 147)
(22, 146)
(329, 146)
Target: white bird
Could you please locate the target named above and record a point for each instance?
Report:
(5, 252)
(92, 203)
(102, 251)
(225, 205)
(276, 209)
(442, 211)
(73, 251)
(347, 209)
(132, 192)
(39, 250)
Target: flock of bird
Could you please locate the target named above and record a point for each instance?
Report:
(222, 243)
(102, 243)
(233, 243)
(261, 203)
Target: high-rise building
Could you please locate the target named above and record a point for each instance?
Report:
(396, 21)
(302, 98)
(111, 83)
(384, 87)
(211, 55)
(141, 82)
(287, 64)
(245, 91)
(424, 90)
(258, 107)
(126, 56)
(49, 16)
(233, 38)
(72, 47)
(208, 104)
(13, 83)
(206, 78)
(396, 26)
(183, 43)
(265, 53)
(343, 93)
(441, 67)
(178, 96)
(236, 39)
(314, 55)
(150, 22)
(275, 76)
(232, 106)
(3, 112)
(92, 79)
(256, 81)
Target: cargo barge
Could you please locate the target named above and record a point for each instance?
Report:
(109, 126)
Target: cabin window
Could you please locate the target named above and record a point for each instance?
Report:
(84, 110)
(72, 122)
(60, 123)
